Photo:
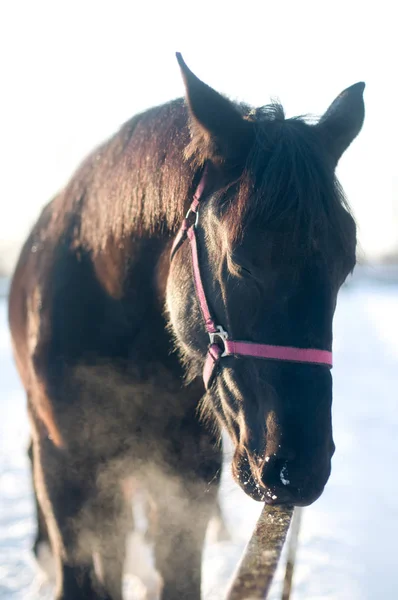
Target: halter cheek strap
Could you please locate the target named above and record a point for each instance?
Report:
(220, 345)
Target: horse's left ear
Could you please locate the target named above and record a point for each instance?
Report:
(343, 120)
(218, 130)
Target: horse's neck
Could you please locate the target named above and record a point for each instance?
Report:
(134, 273)
(139, 264)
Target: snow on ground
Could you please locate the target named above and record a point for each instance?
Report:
(348, 539)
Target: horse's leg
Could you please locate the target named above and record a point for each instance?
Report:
(41, 546)
(222, 531)
(62, 494)
(82, 524)
(183, 516)
(112, 512)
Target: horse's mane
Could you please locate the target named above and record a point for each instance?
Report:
(139, 182)
(289, 186)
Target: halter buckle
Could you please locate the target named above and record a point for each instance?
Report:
(220, 334)
(191, 212)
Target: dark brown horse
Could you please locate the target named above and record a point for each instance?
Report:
(110, 342)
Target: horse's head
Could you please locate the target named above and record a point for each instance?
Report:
(275, 243)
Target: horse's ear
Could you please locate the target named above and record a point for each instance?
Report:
(343, 120)
(218, 130)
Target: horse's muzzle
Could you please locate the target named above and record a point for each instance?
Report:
(275, 481)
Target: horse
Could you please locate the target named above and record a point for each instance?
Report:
(140, 335)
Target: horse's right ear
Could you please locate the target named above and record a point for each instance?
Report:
(218, 130)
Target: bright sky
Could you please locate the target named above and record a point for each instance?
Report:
(72, 72)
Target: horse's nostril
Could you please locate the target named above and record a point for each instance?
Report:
(275, 471)
(284, 475)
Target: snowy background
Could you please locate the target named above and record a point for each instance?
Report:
(348, 539)
(71, 72)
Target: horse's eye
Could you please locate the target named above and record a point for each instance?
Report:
(238, 263)
(238, 269)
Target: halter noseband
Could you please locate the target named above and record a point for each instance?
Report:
(220, 345)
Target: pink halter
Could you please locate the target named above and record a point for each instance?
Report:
(220, 345)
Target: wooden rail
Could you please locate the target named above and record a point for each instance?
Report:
(256, 570)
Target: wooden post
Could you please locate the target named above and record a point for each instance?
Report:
(291, 553)
(260, 559)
